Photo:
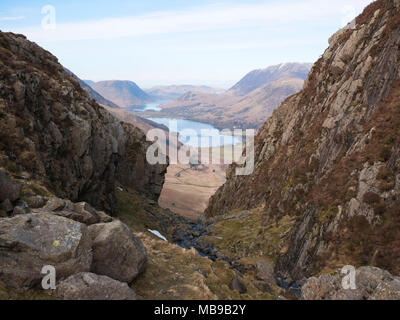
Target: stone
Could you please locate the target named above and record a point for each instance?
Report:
(7, 206)
(262, 286)
(237, 285)
(9, 189)
(3, 214)
(19, 210)
(265, 272)
(89, 286)
(32, 241)
(371, 284)
(54, 204)
(36, 202)
(117, 253)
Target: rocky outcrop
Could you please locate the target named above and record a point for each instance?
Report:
(30, 242)
(89, 286)
(329, 156)
(370, 284)
(52, 130)
(117, 253)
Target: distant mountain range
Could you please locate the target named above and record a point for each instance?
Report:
(125, 94)
(175, 91)
(247, 104)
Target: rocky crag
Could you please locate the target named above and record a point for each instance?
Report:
(54, 133)
(327, 166)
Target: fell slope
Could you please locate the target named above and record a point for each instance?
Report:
(125, 94)
(258, 78)
(329, 156)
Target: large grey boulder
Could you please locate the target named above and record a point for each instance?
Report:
(89, 286)
(371, 284)
(8, 189)
(117, 253)
(29, 242)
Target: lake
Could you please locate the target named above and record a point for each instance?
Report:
(199, 131)
(153, 106)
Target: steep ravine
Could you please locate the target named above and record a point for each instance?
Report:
(328, 158)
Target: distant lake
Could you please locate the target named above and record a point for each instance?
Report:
(216, 140)
(153, 106)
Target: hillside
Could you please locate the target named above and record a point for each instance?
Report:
(247, 105)
(258, 78)
(328, 158)
(92, 93)
(125, 94)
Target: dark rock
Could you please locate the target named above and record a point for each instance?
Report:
(36, 202)
(9, 189)
(7, 206)
(19, 210)
(262, 286)
(237, 285)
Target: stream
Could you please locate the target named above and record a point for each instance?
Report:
(190, 237)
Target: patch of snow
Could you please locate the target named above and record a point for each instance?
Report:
(158, 234)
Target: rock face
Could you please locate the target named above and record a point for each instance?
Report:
(30, 242)
(117, 253)
(371, 284)
(53, 130)
(89, 286)
(329, 156)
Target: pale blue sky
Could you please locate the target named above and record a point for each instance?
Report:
(157, 42)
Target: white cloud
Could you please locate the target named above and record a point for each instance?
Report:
(11, 18)
(204, 18)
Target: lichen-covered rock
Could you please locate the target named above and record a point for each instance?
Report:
(89, 286)
(371, 284)
(30, 242)
(117, 253)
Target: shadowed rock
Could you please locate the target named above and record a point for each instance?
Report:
(8, 189)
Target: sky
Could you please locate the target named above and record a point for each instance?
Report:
(165, 42)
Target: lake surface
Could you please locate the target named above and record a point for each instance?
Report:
(153, 106)
(202, 134)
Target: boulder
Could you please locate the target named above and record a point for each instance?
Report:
(371, 284)
(237, 285)
(7, 206)
(29, 242)
(262, 286)
(265, 272)
(117, 253)
(81, 212)
(89, 286)
(36, 202)
(8, 189)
